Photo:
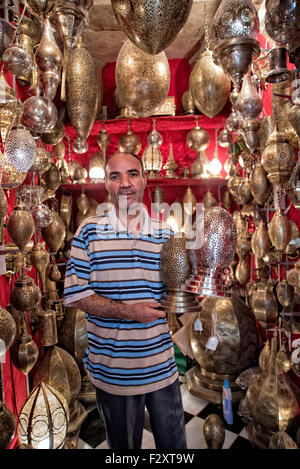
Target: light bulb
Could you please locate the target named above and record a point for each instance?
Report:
(214, 166)
(97, 172)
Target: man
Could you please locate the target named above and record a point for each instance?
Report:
(113, 275)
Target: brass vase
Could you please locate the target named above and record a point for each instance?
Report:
(236, 328)
(59, 369)
(20, 226)
(280, 231)
(209, 86)
(40, 260)
(152, 26)
(260, 241)
(54, 234)
(24, 353)
(81, 94)
(142, 80)
(25, 295)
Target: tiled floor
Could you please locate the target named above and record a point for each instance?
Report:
(92, 434)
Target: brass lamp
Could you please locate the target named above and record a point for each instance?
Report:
(96, 168)
(213, 251)
(234, 30)
(44, 418)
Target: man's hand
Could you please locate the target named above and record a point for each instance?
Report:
(146, 312)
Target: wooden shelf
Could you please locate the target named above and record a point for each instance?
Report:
(207, 183)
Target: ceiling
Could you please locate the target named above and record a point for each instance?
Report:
(104, 37)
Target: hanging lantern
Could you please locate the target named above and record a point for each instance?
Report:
(29, 38)
(41, 8)
(152, 26)
(40, 114)
(7, 426)
(49, 60)
(47, 327)
(54, 234)
(24, 352)
(260, 241)
(7, 330)
(42, 161)
(43, 419)
(198, 138)
(264, 304)
(81, 94)
(280, 231)
(259, 184)
(278, 158)
(152, 161)
(20, 149)
(234, 31)
(96, 168)
(129, 142)
(55, 135)
(142, 80)
(248, 102)
(20, 226)
(154, 138)
(16, 60)
(40, 260)
(209, 86)
(25, 295)
(280, 20)
(8, 107)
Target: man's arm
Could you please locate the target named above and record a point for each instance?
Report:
(104, 307)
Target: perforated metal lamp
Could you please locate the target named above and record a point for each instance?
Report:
(96, 168)
(43, 419)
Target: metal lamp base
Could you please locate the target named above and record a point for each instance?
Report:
(180, 302)
(209, 386)
(203, 284)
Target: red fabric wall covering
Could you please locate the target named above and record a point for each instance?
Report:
(173, 130)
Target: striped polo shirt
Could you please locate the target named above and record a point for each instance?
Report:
(123, 357)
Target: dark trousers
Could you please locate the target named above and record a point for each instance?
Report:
(124, 418)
